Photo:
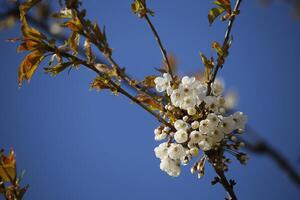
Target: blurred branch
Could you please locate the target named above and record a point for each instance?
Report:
(259, 146)
(294, 3)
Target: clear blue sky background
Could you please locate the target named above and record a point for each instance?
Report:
(79, 144)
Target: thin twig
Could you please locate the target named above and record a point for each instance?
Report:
(215, 158)
(227, 186)
(225, 43)
(261, 147)
(161, 47)
(120, 89)
(129, 81)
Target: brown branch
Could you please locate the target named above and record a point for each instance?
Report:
(225, 43)
(215, 158)
(161, 47)
(119, 88)
(227, 186)
(138, 87)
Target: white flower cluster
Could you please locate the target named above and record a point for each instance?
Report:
(204, 133)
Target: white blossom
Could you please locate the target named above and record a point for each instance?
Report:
(217, 87)
(205, 126)
(196, 136)
(163, 83)
(216, 135)
(180, 124)
(194, 151)
(227, 124)
(191, 111)
(181, 136)
(206, 144)
(211, 103)
(161, 136)
(176, 151)
(195, 124)
(161, 151)
(205, 135)
(213, 119)
(170, 166)
(157, 131)
(190, 93)
(239, 120)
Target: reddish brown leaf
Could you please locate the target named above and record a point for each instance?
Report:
(154, 105)
(29, 65)
(149, 81)
(8, 167)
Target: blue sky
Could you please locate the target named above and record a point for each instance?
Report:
(80, 144)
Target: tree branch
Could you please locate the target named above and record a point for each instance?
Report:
(119, 89)
(161, 47)
(225, 43)
(227, 186)
(261, 147)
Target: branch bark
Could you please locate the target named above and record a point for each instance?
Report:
(161, 47)
(227, 186)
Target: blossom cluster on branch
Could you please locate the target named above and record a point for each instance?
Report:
(195, 129)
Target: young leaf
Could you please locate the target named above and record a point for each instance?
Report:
(139, 7)
(73, 42)
(208, 65)
(154, 105)
(214, 13)
(172, 62)
(29, 65)
(32, 33)
(224, 4)
(26, 6)
(98, 33)
(88, 50)
(55, 70)
(8, 167)
(74, 24)
(99, 83)
(217, 47)
(28, 45)
(148, 82)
